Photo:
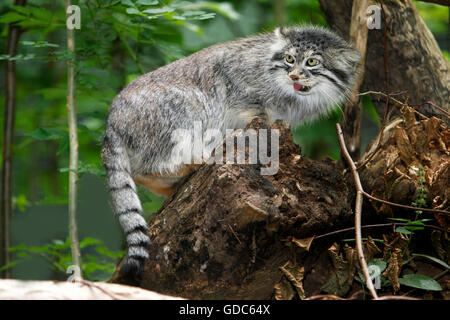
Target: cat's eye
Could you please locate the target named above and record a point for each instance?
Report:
(289, 58)
(312, 62)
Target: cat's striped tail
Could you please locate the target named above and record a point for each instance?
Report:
(125, 202)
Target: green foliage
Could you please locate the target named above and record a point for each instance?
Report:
(420, 281)
(98, 262)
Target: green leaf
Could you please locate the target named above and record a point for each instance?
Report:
(439, 261)
(223, 8)
(127, 3)
(64, 145)
(158, 10)
(403, 230)
(147, 2)
(420, 281)
(191, 13)
(42, 14)
(133, 11)
(11, 17)
(46, 134)
(20, 202)
(39, 44)
(88, 241)
(21, 9)
(399, 219)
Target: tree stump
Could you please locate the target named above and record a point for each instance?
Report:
(227, 231)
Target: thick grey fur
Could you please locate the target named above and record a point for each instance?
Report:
(224, 86)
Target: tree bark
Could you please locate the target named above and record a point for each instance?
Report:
(8, 140)
(352, 109)
(418, 71)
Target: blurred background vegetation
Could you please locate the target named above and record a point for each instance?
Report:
(118, 41)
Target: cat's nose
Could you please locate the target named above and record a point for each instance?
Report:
(294, 77)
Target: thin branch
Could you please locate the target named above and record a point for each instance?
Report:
(8, 141)
(397, 298)
(73, 139)
(358, 207)
(394, 100)
(437, 211)
(433, 105)
(391, 224)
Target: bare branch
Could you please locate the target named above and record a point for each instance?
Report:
(358, 206)
(73, 138)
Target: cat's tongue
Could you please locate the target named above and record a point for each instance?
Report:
(297, 86)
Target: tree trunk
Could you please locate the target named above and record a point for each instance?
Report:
(224, 233)
(417, 68)
(8, 140)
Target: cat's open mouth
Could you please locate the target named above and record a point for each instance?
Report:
(301, 88)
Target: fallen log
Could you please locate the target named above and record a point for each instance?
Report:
(63, 290)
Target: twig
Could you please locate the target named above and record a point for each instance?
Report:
(408, 105)
(325, 297)
(433, 105)
(394, 224)
(235, 235)
(437, 211)
(358, 206)
(8, 141)
(73, 139)
(397, 298)
(393, 99)
(94, 285)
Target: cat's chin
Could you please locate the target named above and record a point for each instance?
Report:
(306, 92)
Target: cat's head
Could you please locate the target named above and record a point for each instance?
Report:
(313, 64)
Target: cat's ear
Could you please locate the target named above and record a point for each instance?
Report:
(280, 32)
(347, 59)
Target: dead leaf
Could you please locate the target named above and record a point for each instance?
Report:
(370, 249)
(341, 278)
(304, 244)
(393, 269)
(295, 275)
(404, 147)
(284, 290)
(352, 258)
